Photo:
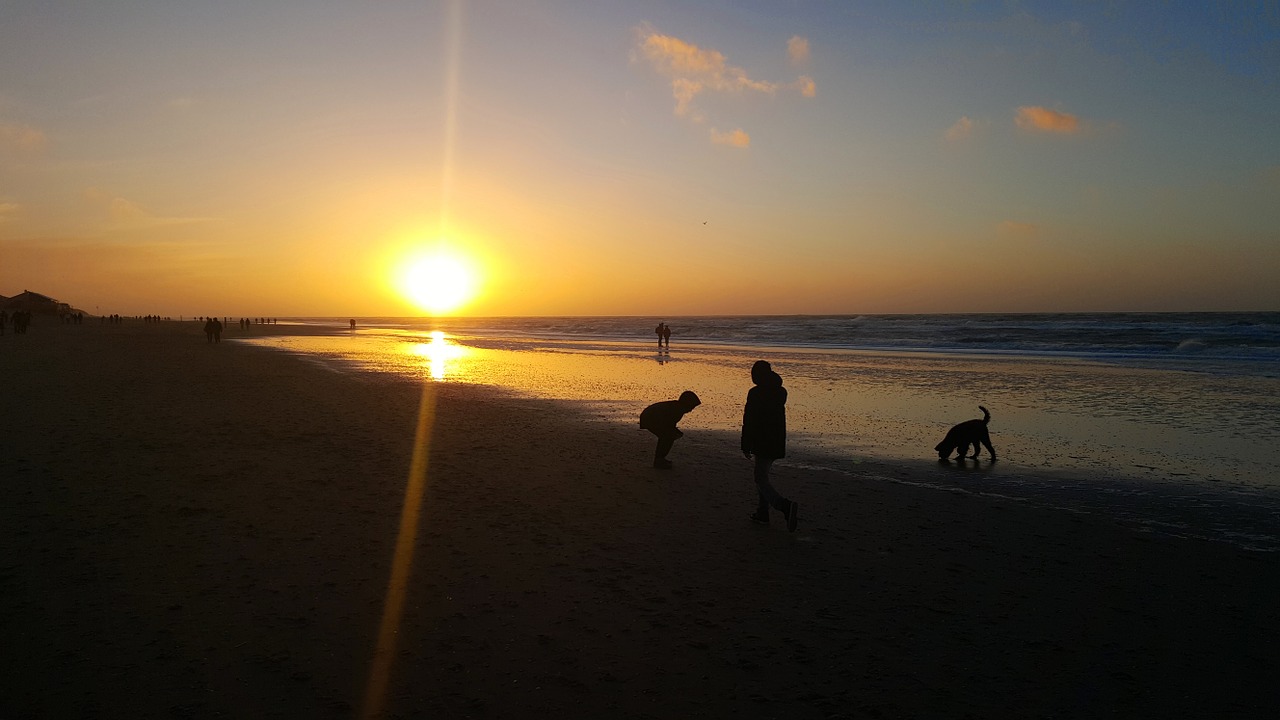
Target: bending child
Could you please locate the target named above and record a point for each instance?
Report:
(660, 419)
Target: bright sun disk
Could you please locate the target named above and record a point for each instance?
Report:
(438, 282)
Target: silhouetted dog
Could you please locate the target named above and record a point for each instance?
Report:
(969, 432)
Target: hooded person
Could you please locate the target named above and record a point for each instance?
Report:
(764, 438)
(660, 419)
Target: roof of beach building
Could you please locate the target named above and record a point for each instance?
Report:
(33, 301)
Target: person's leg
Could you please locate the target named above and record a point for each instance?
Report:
(768, 495)
(665, 441)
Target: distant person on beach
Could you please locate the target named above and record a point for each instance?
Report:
(660, 419)
(208, 329)
(764, 437)
(666, 335)
(217, 329)
(353, 323)
(658, 331)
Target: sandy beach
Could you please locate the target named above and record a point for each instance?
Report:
(198, 530)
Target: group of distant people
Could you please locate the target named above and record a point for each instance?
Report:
(764, 436)
(213, 326)
(213, 329)
(20, 319)
(664, 335)
(246, 322)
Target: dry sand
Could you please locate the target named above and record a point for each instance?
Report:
(195, 530)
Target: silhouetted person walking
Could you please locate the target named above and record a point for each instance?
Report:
(658, 331)
(764, 437)
(660, 419)
(666, 335)
(208, 329)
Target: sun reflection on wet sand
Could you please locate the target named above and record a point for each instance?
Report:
(439, 353)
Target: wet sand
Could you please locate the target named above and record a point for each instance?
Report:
(195, 530)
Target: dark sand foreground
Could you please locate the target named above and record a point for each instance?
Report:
(194, 530)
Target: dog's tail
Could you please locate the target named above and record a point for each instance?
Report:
(986, 416)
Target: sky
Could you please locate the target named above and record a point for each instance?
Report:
(600, 157)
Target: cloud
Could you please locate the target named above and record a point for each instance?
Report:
(1018, 230)
(696, 71)
(8, 209)
(735, 138)
(21, 138)
(961, 130)
(798, 50)
(1041, 119)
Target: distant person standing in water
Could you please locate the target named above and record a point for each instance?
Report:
(666, 335)
(764, 437)
(658, 331)
(353, 323)
(660, 419)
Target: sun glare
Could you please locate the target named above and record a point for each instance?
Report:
(438, 282)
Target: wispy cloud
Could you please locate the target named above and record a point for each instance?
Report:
(695, 71)
(1035, 118)
(16, 138)
(734, 138)
(7, 210)
(123, 212)
(798, 50)
(960, 130)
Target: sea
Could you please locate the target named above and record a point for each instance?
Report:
(1166, 421)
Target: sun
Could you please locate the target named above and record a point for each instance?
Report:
(438, 281)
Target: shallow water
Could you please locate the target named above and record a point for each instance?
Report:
(1184, 452)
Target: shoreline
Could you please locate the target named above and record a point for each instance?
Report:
(852, 413)
(208, 531)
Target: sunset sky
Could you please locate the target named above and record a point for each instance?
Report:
(642, 158)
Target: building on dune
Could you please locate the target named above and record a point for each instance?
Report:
(35, 303)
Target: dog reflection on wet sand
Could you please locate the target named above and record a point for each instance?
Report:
(969, 432)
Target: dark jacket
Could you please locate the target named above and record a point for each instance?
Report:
(764, 419)
(663, 416)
